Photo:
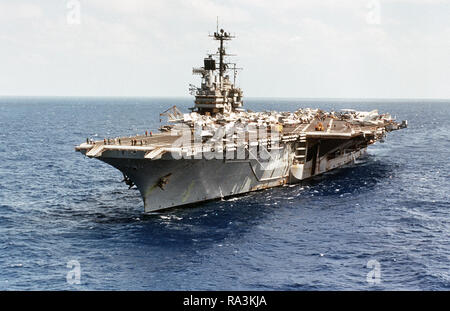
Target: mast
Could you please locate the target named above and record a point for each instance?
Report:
(222, 36)
(217, 93)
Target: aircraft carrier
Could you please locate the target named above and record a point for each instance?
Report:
(220, 149)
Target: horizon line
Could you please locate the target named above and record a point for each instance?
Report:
(249, 97)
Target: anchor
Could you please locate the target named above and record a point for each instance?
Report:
(163, 181)
(127, 181)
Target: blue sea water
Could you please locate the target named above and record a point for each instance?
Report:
(392, 206)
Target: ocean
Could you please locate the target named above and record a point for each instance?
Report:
(68, 223)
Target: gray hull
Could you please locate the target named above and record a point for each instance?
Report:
(166, 182)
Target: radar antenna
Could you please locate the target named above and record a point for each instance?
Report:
(222, 36)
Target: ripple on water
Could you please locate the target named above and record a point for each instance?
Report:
(391, 206)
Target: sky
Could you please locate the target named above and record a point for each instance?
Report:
(288, 48)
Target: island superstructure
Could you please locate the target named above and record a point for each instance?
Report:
(220, 149)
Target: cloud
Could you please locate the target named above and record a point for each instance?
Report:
(326, 47)
(12, 11)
